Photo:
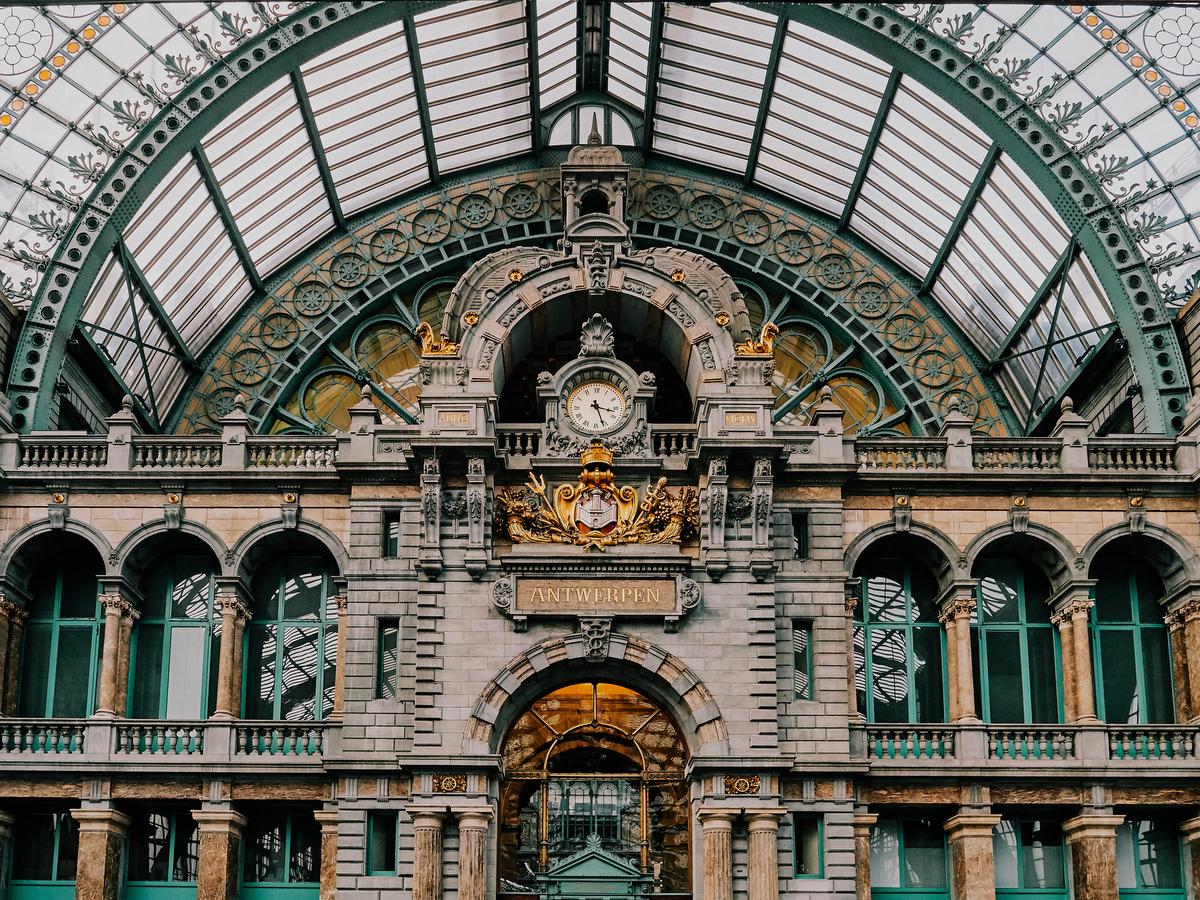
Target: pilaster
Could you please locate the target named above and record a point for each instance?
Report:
(102, 832)
(717, 829)
(220, 842)
(328, 820)
(863, 823)
(339, 674)
(1092, 838)
(972, 865)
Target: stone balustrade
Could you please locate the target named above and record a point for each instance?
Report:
(178, 738)
(41, 736)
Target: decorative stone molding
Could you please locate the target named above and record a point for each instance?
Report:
(902, 513)
(1070, 609)
(1018, 514)
(959, 606)
(568, 596)
(429, 554)
(58, 509)
(1135, 514)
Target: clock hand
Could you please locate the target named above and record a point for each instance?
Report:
(599, 412)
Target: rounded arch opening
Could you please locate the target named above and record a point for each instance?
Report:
(45, 551)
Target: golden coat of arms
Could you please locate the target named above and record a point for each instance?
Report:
(596, 513)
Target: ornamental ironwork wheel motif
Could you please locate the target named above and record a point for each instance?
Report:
(795, 247)
(834, 270)
(430, 226)
(250, 367)
(707, 212)
(348, 269)
(220, 403)
(521, 201)
(476, 211)
(388, 245)
(312, 298)
(279, 330)
(662, 202)
(904, 332)
(751, 227)
(968, 403)
(871, 300)
(934, 368)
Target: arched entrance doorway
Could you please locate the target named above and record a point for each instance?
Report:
(593, 802)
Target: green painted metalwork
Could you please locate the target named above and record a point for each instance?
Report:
(1053, 280)
(1050, 332)
(764, 105)
(146, 415)
(62, 644)
(960, 219)
(218, 198)
(418, 77)
(139, 341)
(278, 50)
(653, 63)
(868, 154)
(48, 872)
(134, 271)
(314, 138)
(535, 94)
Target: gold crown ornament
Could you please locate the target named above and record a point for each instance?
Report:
(596, 455)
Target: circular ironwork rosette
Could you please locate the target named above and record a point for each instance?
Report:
(476, 211)
(662, 202)
(220, 402)
(795, 247)
(904, 332)
(521, 201)
(834, 270)
(968, 403)
(430, 226)
(870, 300)
(312, 298)
(707, 212)
(250, 367)
(933, 368)
(751, 227)
(279, 330)
(388, 245)
(348, 269)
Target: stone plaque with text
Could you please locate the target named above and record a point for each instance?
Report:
(633, 596)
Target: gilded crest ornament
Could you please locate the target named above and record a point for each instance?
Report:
(596, 513)
(432, 345)
(764, 346)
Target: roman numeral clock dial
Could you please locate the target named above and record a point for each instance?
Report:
(596, 407)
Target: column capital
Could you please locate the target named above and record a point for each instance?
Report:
(427, 816)
(1185, 610)
(108, 820)
(327, 819)
(1072, 606)
(12, 611)
(956, 605)
(473, 816)
(117, 605)
(1189, 829)
(717, 818)
(231, 603)
(219, 821)
(1090, 826)
(764, 818)
(341, 601)
(971, 825)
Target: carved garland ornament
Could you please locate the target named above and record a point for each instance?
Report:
(595, 513)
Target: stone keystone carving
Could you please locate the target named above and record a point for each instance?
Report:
(596, 338)
(596, 637)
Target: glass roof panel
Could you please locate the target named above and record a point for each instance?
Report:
(629, 51)
(927, 157)
(268, 174)
(714, 63)
(178, 241)
(557, 43)
(475, 59)
(826, 96)
(370, 127)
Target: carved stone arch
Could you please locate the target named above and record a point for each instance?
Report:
(134, 542)
(14, 571)
(631, 662)
(490, 316)
(240, 560)
(1170, 555)
(1046, 548)
(943, 556)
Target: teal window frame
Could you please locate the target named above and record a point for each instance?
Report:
(1021, 891)
(390, 533)
(170, 624)
(818, 821)
(176, 843)
(56, 887)
(802, 659)
(1138, 629)
(29, 706)
(268, 890)
(387, 683)
(865, 628)
(1139, 890)
(917, 892)
(325, 624)
(389, 819)
(983, 630)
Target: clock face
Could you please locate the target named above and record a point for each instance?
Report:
(596, 407)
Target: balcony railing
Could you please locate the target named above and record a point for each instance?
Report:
(41, 736)
(280, 739)
(910, 743)
(1031, 743)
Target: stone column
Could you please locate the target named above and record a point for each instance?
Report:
(1190, 613)
(7, 610)
(229, 669)
(717, 828)
(955, 616)
(1190, 830)
(852, 588)
(972, 866)
(125, 641)
(863, 823)
(1092, 838)
(427, 853)
(101, 845)
(763, 825)
(1174, 621)
(6, 824)
(339, 675)
(1075, 608)
(117, 613)
(220, 841)
(1066, 643)
(11, 690)
(328, 818)
(472, 852)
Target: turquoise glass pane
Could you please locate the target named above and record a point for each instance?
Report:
(146, 689)
(1149, 591)
(1037, 592)
(1119, 681)
(304, 862)
(886, 600)
(927, 674)
(260, 672)
(304, 595)
(1004, 677)
(1043, 861)
(33, 847)
(381, 842)
(186, 864)
(156, 585)
(73, 672)
(1043, 674)
(35, 669)
(298, 702)
(1112, 596)
(1158, 689)
(885, 854)
(889, 675)
(924, 854)
(1158, 856)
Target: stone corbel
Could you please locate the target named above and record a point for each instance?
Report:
(429, 558)
(1135, 514)
(902, 512)
(173, 505)
(476, 498)
(58, 509)
(1018, 514)
(504, 598)
(762, 560)
(289, 507)
(716, 500)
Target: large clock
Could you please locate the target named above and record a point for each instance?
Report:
(597, 407)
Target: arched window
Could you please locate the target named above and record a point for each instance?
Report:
(291, 643)
(898, 645)
(176, 641)
(1130, 643)
(61, 660)
(1017, 677)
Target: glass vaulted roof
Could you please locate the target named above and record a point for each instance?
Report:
(756, 92)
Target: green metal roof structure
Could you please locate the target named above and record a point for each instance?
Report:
(1028, 173)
